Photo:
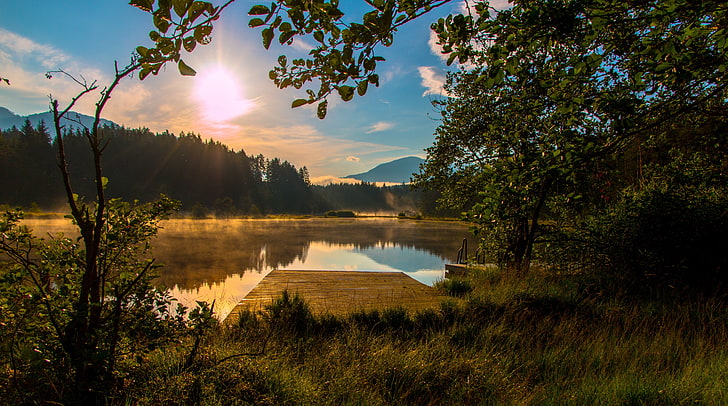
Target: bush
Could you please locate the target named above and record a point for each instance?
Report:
(457, 287)
(658, 238)
(290, 313)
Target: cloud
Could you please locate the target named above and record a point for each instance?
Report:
(47, 56)
(435, 48)
(433, 79)
(25, 62)
(352, 158)
(380, 126)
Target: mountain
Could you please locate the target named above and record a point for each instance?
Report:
(397, 171)
(9, 119)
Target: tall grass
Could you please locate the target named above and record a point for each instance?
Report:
(539, 340)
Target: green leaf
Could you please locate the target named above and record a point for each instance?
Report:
(321, 110)
(267, 35)
(286, 36)
(196, 9)
(202, 34)
(142, 51)
(298, 103)
(145, 5)
(255, 22)
(346, 92)
(185, 70)
(361, 88)
(318, 36)
(181, 6)
(189, 43)
(104, 181)
(259, 10)
(161, 23)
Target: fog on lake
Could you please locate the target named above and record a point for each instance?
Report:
(223, 259)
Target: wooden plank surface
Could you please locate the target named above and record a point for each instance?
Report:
(341, 292)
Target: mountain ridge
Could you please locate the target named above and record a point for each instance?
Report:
(8, 119)
(397, 171)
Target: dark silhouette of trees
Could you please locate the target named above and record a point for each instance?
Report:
(205, 175)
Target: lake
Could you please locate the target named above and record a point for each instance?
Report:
(224, 259)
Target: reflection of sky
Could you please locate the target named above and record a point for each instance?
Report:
(216, 248)
(418, 264)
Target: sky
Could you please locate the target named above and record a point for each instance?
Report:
(231, 99)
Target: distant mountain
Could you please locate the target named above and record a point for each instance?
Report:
(397, 171)
(9, 119)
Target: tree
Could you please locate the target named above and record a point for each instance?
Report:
(91, 293)
(505, 155)
(645, 63)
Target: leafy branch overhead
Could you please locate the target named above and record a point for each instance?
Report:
(179, 24)
(344, 60)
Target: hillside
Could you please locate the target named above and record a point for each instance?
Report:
(8, 119)
(397, 171)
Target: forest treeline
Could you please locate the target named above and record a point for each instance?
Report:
(205, 175)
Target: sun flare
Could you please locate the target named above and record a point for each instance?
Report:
(220, 96)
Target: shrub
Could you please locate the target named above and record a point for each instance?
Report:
(657, 238)
(456, 287)
(290, 313)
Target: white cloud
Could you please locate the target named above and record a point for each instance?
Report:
(380, 126)
(435, 48)
(47, 56)
(433, 79)
(25, 62)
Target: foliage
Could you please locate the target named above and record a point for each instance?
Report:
(42, 286)
(553, 91)
(289, 313)
(641, 62)
(178, 24)
(665, 234)
(344, 59)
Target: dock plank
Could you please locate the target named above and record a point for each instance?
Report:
(341, 292)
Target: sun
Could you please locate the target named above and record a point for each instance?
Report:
(219, 95)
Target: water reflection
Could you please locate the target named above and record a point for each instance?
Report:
(223, 260)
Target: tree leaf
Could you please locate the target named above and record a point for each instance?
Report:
(298, 103)
(361, 88)
(267, 35)
(145, 5)
(346, 92)
(185, 70)
(321, 110)
(255, 22)
(259, 10)
(181, 6)
(286, 36)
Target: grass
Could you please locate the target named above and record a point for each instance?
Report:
(538, 340)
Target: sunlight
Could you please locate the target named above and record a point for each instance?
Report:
(219, 95)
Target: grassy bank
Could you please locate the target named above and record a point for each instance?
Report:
(539, 340)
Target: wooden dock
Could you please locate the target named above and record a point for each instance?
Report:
(341, 292)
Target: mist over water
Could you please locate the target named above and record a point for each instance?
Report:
(223, 259)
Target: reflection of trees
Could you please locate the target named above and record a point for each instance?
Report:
(197, 251)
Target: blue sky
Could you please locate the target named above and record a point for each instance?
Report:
(231, 99)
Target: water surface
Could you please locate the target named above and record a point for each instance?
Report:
(224, 259)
